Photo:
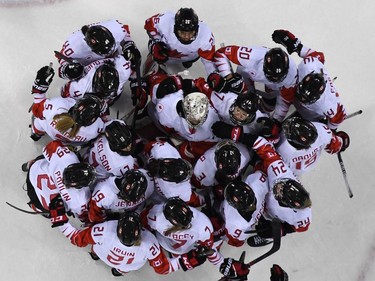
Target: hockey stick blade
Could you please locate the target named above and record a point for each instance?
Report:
(276, 233)
(343, 170)
(61, 56)
(27, 212)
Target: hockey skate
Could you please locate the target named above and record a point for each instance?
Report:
(94, 256)
(257, 241)
(116, 273)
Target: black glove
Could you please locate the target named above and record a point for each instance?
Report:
(139, 94)
(194, 258)
(235, 84)
(169, 85)
(345, 140)
(226, 131)
(43, 79)
(288, 40)
(57, 212)
(71, 71)
(132, 54)
(278, 274)
(270, 128)
(159, 52)
(234, 270)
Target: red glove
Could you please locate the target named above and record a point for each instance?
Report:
(345, 140)
(193, 258)
(159, 51)
(57, 212)
(233, 269)
(278, 274)
(139, 94)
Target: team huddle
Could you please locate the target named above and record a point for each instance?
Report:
(218, 160)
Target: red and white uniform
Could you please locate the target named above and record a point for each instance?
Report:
(328, 105)
(276, 168)
(303, 160)
(111, 251)
(46, 177)
(235, 224)
(105, 199)
(222, 103)
(184, 240)
(160, 27)
(160, 150)
(44, 123)
(250, 65)
(76, 89)
(108, 162)
(75, 46)
(205, 168)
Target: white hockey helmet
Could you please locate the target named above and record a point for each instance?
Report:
(195, 106)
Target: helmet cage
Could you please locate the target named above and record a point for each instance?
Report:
(195, 107)
(186, 20)
(248, 105)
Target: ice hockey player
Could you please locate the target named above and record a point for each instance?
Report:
(287, 200)
(301, 143)
(58, 171)
(219, 165)
(65, 119)
(116, 195)
(171, 173)
(271, 67)
(93, 42)
(316, 97)
(112, 152)
(123, 244)
(104, 78)
(180, 229)
(179, 38)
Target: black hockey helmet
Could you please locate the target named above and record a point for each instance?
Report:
(120, 138)
(79, 175)
(129, 228)
(248, 104)
(310, 88)
(227, 159)
(86, 110)
(240, 196)
(186, 20)
(171, 169)
(106, 80)
(299, 132)
(99, 39)
(276, 65)
(290, 193)
(177, 212)
(132, 185)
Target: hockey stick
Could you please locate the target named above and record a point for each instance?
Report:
(276, 235)
(138, 77)
(27, 212)
(358, 112)
(343, 170)
(61, 56)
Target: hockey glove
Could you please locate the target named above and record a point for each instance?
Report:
(71, 71)
(226, 131)
(132, 54)
(345, 140)
(234, 270)
(139, 94)
(270, 129)
(288, 40)
(194, 258)
(235, 84)
(216, 82)
(43, 79)
(159, 51)
(57, 212)
(169, 85)
(278, 274)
